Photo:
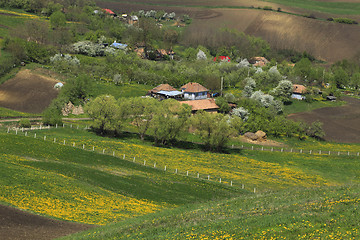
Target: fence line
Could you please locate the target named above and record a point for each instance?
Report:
(154, 165)
(253, 148)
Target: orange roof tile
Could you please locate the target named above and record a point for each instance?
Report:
(299, 88)
(194, 87)
(203, 104)
(162, 87)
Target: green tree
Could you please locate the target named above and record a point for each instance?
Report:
(142, 111)
(341, 78)
(170, 121)
(106, 114)
(355, 81)
(223, 105)
(315, 130)
(53, 115)
(57, 20)
(77, 90)
(283, 91)
(214, 129)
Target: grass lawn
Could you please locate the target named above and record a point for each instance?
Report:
(342, 8)
(303, 106)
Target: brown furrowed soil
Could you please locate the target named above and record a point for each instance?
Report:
(16, 224)
(28, 92)
(324, 40)
(341, 124)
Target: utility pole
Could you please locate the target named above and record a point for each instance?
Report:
(222, 83)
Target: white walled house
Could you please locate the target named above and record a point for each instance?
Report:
(194, 91)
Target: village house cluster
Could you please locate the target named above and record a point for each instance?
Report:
(193, 94)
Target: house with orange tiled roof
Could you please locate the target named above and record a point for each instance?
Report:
(258, 61)
(194, 91)
(298, 92)
(207, 105)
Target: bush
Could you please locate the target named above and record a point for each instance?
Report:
(267, 8)
(25, 123)
(345, 20)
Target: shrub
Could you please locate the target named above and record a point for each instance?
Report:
(25, 123)
(267, 8)
(345, 20)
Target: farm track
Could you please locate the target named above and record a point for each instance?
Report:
(16, 224)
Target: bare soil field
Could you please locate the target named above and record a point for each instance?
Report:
(325, 40)
(16, 224)
(28, 92)
(341, 124)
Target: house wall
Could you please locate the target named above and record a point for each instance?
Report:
(297, 96)
(195, 96)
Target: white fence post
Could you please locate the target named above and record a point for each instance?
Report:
(230, 183)
(198, 175)
(165, 168)
(54, 140)
(220, 180)
(154, 165)
(144, 162)
(187, 173)
(35, 135)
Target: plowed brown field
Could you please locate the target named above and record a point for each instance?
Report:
(18, 225)
(325, 40)
(28, 92)
(341, 124)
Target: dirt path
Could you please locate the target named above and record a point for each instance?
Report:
(341, 124)
(17, 224)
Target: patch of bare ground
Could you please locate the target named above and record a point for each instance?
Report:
(16, 224)
(341, 124)
(269, 143)
(28, 92)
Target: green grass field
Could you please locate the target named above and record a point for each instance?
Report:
(298, 196)
(342, 8)
(72, 184)
(302, 106)
(323, 213)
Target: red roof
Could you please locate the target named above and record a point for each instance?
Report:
(194, 87)
(203, 104)
(222, 58)
(108, 11)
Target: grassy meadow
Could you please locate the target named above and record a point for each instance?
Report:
(321, 213)
(262, 170)
(297, 195)
(76, 185)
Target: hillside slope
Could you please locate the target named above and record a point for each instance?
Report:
(325, 213)
(325, 40)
